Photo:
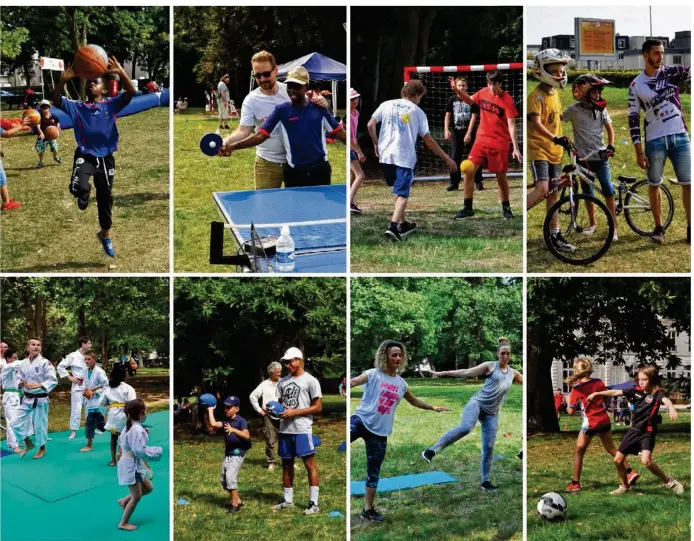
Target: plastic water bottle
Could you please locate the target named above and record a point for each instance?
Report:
(285, 251)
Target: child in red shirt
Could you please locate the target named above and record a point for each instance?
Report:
(496, 131)
(595, 419)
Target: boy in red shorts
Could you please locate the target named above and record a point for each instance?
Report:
(497, 129)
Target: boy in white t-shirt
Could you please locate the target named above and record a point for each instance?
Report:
(300, 394)
(373, 419)
(402, 121)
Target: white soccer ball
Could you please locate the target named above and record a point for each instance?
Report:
(552, 507)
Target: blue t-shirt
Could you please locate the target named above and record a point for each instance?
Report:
(302, 129)
(235, 446)
(94, 124)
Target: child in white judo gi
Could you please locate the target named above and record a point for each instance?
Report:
(11, 396)
(74, 362)
(133, 469)
(95, 381)
(114, 398)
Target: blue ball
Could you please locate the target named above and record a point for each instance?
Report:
(208, 400)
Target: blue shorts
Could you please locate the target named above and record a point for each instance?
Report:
(601, 168)
(353, 155)
(295, 446)
(675, 147)
(3, 178)
(400, 178)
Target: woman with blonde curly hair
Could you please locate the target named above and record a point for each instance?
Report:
(483, 407)
(373, 419)
(595, 419)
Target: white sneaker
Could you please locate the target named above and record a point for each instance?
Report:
(675, 486)
(311, 509)
(590, 230)
(270, 467)
(561, 243)
(615, 238)
(621, 490)
(282, 505)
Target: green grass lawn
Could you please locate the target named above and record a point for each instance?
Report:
(50, 234)
(455, 510)
(152, 386)
(197, 176)
(198, 462)
(484, 243)
(649, 512)
(632, 252)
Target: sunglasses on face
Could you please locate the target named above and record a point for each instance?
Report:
(294, 86)
(266, 74)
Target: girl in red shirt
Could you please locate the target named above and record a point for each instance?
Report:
(595, 419)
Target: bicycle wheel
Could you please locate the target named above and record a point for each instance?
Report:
(637, 208)
(573, 221)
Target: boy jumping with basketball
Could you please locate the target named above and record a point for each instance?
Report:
(402, 121)
(497, 130)
(94, 123)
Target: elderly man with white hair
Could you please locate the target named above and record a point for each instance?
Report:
(267, 392)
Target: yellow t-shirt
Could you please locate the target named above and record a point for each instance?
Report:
(548, 107)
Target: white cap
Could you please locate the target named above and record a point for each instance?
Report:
(292, 353)
(285, 231)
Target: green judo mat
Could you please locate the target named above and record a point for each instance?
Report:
(71, 496)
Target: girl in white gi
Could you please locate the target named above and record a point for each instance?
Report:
(78, 368)
(11, 396)
(36, 378)
(133, 469)
(94, 382)
(114, 398)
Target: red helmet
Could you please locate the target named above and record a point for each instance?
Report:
(584, 84)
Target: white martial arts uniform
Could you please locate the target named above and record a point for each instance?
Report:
(77, 365)
(136, 453)
(114, 398)
(97, 380)
(10, 400)
(35, 410)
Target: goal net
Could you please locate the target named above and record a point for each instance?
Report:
(435, 79)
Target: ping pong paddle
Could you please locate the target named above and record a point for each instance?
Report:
(211, 144)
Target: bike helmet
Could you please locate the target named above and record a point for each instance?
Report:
(543, 59)
(582, 87)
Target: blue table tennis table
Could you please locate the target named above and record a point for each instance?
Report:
(316, 216)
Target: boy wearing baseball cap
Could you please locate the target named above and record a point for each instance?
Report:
(300, 393)
(301, 123)
(238, 442)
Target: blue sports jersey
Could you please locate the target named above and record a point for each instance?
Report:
(302, 128)
(94, 124)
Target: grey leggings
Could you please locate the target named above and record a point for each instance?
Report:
(471, 414)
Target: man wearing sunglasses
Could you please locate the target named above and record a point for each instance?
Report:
(302, 126)
(270, 156)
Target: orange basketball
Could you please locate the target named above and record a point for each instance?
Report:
(90, 62)
(33, 115)
(51, 133)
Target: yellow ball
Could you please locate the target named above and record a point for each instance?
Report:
(466, 167)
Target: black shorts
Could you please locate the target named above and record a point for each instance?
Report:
(634, 442)
(313, 176)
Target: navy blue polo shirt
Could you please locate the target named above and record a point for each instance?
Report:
(235, 445)
(303, 131)
(95, 124)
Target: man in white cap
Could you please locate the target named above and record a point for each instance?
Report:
(77, 366)
(300, 393)
(270, 156)
(267, 392)
(302, 126)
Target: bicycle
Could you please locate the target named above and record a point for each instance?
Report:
(634, 202)
(573, 219)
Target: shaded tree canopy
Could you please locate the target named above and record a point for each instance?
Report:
(608, 319)
(121, 315)
(132, 34)
(455, 322)
(385, 40)
(212, 41)
(228, 330)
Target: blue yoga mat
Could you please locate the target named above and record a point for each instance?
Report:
(401, 482)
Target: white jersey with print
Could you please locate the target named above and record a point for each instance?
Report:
(255, 110)
(298, 393)
(382, 394)
(401, 123)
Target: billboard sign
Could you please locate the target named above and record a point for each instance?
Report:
(595, 39)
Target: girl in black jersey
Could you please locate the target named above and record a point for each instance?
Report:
(640, 438)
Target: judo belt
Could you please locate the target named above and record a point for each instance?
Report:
(116, 405)
(34, 396)
(13, 391)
